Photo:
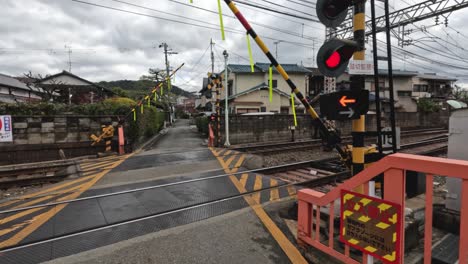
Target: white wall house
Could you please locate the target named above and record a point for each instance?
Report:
(249, 91)
(15, 91)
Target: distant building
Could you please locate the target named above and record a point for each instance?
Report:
(14, 91)
(409, 87)
(74, 89)
(248, 92)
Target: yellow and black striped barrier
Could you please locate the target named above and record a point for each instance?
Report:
(330, 134)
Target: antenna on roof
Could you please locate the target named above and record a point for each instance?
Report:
(69, 51)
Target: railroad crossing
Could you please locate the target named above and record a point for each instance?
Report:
(373, 184)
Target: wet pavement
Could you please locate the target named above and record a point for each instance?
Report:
(178, 156)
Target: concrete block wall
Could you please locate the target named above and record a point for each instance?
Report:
(258, 129)
(56, 129)
(39, 138)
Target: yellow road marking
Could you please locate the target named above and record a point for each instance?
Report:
(214, 151)
(227, 153)
(274, 193)
(100, 167)
(220, 152)
(49, 214)
(228, 162)
(240, 161)
(243, 180)
(97, 164)
(289, 249)
(291, 190)
(257, 186)
(19, 215)
(17, 226)
(35, 201)
(60, 186)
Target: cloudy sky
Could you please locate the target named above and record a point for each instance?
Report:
(114, 44)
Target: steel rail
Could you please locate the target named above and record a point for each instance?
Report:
(170, 211)
(161, 186)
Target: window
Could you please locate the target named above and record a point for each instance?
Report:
(420, 88)
(284, 110)
(263, 109)
(275, 83)
(247, 110)
(404, 93)
(381, 86)
(230, 87)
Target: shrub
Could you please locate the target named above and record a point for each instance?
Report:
(202, 124)
(148, 124)
(427, 105)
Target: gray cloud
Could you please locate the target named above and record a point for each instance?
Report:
(109, 45)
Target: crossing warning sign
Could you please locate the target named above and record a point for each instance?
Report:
(6, 129)
(371, 225)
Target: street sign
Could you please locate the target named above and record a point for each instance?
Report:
(361, 67)
(371, 225)
(6, 129)
(344, 105)
(387, 140)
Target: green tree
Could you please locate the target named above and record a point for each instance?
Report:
(120, 92)
(459, 93)
(427, 105)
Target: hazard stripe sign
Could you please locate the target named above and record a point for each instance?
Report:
(371, 225)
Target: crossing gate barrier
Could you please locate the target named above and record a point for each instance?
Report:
(311, 203)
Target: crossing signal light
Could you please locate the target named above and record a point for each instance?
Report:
(332, 12)
(213, 117)
(333, 57)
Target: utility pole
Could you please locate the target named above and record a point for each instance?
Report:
(69, 70)
(226, 104)
(212, 55)
(276, 48)
(69, 51)
(168, 52)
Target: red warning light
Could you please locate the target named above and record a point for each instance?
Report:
(334, 60)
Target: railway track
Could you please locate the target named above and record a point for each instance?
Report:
(306, 144)
(325, 174)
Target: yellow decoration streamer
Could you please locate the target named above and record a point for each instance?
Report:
(191, 1)
(134, 114)
(220, 11)
(155, 97)
(148, 99)
(250, 53)
(142, 108)
(270, 71)
(294, 109)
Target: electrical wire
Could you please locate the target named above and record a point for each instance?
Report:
(235, 31)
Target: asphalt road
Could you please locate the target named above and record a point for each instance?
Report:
(178, 156)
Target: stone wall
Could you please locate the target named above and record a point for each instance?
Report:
(39, 138)
(270, 128)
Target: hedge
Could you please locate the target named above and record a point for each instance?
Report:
(202, 124)
(148, 124)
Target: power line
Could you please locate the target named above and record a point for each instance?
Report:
(276, 11)
(232, 30)
(287, 8)
(289, 32)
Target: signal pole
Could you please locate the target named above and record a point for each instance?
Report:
(358, 83)
(226, 104)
